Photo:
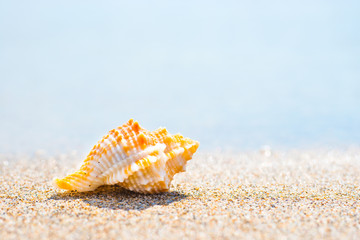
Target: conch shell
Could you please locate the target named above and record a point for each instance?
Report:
(134, 158)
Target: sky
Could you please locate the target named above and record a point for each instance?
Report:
(237, 74)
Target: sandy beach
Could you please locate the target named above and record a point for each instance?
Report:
(268, 194)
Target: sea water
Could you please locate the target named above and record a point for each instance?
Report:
(231, 75)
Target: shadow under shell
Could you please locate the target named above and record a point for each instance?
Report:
(115, 197)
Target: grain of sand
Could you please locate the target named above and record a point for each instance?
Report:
(307, 194)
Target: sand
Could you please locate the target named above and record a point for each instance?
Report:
(304, 194)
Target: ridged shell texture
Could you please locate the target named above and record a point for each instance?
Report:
(134, 158)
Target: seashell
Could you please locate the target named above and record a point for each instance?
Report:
(134, 158)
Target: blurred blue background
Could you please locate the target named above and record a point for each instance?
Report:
(231, 74)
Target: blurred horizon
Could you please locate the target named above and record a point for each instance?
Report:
(235, 74)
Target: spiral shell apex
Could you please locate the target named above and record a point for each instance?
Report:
(134, 158)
